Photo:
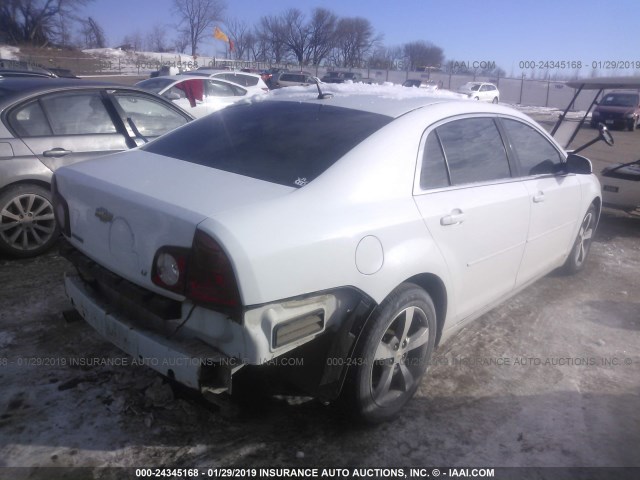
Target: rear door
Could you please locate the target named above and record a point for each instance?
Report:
(67, 127)
(476, 212)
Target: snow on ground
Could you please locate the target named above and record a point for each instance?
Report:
(552, 111)
(9, 53)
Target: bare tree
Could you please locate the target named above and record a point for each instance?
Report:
(270, 32)
(198, 17)
(157, 39)
(322, 29)
(258, 47)
(35, 21)
(296, 34)
(421, 55)
(181, 41)
(239, 33)
(134, 40)
(92, 34)
(387, 58)
(354, 40)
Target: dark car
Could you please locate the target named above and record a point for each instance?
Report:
(50, 122)
(15, 68)
(618, 110)
(9, 72)
(341, 77)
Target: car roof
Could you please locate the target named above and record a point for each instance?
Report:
(181, 78)
(390, 100)
(16, 88)
(598, 83)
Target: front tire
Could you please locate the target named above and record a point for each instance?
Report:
(580, 251)
(632, 124)
(495, 100)
(392, 354)
(27, 224)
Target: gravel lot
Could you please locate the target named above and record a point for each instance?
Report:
(550, 378)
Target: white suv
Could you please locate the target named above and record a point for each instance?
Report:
(486, 92)
(328, 242)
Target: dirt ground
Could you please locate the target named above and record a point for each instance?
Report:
(550, 378)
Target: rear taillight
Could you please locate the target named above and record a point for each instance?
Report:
(170, 268)
(60, 209)
(211, 281)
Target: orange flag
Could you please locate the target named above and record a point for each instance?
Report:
(217, 33)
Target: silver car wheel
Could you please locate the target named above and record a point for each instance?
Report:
(27, 222)
(400, 358)
(584, 238)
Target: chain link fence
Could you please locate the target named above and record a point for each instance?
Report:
(521, 91)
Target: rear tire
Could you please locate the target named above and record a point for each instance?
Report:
(580, 251)
(27, 224)
(392, 354)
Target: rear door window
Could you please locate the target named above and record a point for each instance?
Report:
(30, 121)
(474, 150)
(78, 114)
(434, 168)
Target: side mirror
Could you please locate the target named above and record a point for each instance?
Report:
(172, 96)
(578, 164)
(605, 134)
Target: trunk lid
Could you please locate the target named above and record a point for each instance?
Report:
(123, 208)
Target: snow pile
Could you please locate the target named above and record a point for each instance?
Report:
(110, 52)
(386, 90)
(552, 111)
(9, 53)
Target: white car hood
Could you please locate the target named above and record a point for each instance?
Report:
(124, 207)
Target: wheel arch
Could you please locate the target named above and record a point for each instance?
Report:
(436, 289)
(27, 181)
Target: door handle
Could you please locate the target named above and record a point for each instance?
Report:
(538, 197)
(56, 152)
(454, 218)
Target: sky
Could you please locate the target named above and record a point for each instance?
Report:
(500, 31)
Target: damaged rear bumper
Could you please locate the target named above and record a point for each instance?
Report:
(186, 360)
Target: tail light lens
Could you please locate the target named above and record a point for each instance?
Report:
(211, 281)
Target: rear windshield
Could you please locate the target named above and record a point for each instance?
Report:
(155, 84)
(289, 143)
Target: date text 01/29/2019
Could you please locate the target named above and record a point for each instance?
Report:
(578, 64)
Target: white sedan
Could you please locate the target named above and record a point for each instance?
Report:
(198, 96)
(327, 242)
(250, 81)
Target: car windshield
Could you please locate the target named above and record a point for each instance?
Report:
(289, 143)
(620, 100)
(155, 85)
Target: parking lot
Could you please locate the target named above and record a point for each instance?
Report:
(550, 378)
